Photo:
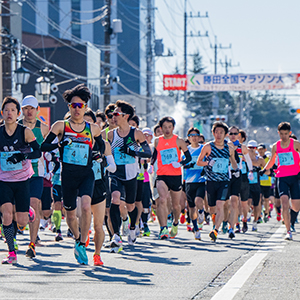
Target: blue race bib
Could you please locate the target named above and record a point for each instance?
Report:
(168, 156)
(264, 177)
(97, 170)
(254, 178)
(194, 159)
(122, 158)
(244, 168)
(220, 165)
(286, 159)
(8, 166)
(76, 154)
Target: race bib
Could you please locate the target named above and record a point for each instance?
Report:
(244, 168)
(264, 177)
(97, 170)
(76, 154)
(122, 158)
(286, 159)
(220, 165)
(194, 160)
(8, 166)
(254, 178)
(168, 156)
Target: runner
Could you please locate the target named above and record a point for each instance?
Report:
(287, 171)
(167, 150)
(218, 154)
(30, 111)
(76, 140)
(16, 142)
(125, 144)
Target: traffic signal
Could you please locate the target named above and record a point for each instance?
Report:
(294, 111)
(222, 118)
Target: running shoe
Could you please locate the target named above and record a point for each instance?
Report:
(116, 241)
(213, 235)
(266, 218)
(164, 233)
(245, 227)
(237, 228)
(2, 232)
(97, 260)
(137, 231)
(200, 226)
(174, 231)
(80, 254)
(11, 259)
(170, 221)
(259, 221)
(116, 249)
(189, 227)
(207, 218)
(125, 227)
(198, 235)
(146, 230)
(87, 241)
(271, 207)
(293, 228)
(213, 217)
(69, 233)
(31, 214)
(59, 237)
(224, 227)
(31, 251)
(201, 218)
(288, 236)
(278, 217)
(182, 218)
(16, 245)
(131, 237)
(254, 226)
(231, 234)
(37, 240)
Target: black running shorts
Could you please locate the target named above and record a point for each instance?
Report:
(216, 190)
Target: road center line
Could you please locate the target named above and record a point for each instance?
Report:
(240, 277)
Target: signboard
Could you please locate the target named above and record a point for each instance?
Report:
(44, 115)
(237, 82)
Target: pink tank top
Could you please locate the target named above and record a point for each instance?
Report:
(288, 160)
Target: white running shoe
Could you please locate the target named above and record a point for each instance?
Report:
(288, 236)
(198, 235)
(125, 227)
(137, 231)
(131, 237)
(115, 241)
(201, 218)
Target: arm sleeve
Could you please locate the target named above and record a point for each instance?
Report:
(147, 151)
(36, 153)
(187, 159)
(101, 144)
(154, 157)
(248, 161)
(47, 145)
(111, 166)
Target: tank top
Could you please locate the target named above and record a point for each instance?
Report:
(8, 146)
(265, 180)
(288, 160)
(38, 165)
(167, 152)
(220, 170)
(193, 175)
(78, 155)
(127, 166)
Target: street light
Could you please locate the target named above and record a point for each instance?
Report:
(42, 85)
(22, 76)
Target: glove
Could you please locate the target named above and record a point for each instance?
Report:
(150, 169)
(65, 142)
(15, 158)
(189, 166)
(211, 162)
(126, 150)
(48, 176)
(250, 176)
(97, 156)
(48, 156)
(176, 164)
(236, 173)
(262, 172)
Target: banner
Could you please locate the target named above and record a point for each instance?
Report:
(237, 82)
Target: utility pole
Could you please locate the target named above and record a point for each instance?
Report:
(228, 64)
(107, 34)
(216, 47)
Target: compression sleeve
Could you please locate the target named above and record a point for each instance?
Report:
(101, 144)
(147, 151)
(36, 153)
(111, 166)
(46, 144)
(154, 157)
(248, 161)
(187, 159)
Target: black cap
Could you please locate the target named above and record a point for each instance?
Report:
(262, 146)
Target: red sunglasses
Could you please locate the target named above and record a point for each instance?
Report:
(116, 114)
(80, 105)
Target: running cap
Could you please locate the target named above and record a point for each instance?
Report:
(252, 143)
(147, 131)
(30, 101)
(263, 146)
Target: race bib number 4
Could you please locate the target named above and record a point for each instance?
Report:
(220, 165)
(8, 166)
(76, 154)
(122, 158)
(168, 156)
(286, 159)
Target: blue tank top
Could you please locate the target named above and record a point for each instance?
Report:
(193, 175)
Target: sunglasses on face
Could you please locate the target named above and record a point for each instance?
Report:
(251, 147)
(233, 133)
(201, 142)
(110, 116)
(193, 134)
(116, 114)
(80, 105)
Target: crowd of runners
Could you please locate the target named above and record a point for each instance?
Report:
(99, 170)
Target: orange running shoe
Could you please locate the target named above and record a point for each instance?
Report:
(182, 218)
(213, 217)
(97, 260)
(87, 241)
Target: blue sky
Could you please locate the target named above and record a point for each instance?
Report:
(265, 35)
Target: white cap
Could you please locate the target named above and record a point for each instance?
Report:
(252, 143)
(147, 131)
(30, 101)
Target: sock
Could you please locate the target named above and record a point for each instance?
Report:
(133, 217)
(188, 219)
(183, 211)
(278, 209)
(201, 211)
(15, 226)
(115, 218)
(144, 218)
(57, 219)
(195, 225)
(293, 217)
(107, 227)
(175, 224)
(9, 236)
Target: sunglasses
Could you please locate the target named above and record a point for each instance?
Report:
(80, 105)
(233, 133)
(116, 114)
(194, 134)
(110, 116)
(251, 147)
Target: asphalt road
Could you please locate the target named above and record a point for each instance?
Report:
(255, 265)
